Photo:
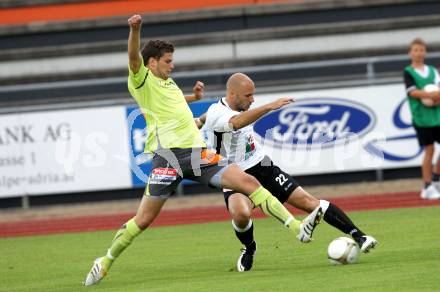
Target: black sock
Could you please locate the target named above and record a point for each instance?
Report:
(435, 177)
(338, 219)
(427, 184)
(246, 237)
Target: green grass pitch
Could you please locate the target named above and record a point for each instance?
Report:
(202, 257)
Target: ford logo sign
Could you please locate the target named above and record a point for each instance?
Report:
(315, 122)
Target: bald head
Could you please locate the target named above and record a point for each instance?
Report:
(237, 81)
(240, 91)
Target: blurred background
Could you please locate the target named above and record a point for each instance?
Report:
(66, 134)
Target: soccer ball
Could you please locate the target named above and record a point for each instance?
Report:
(342, 251)
(429, 88)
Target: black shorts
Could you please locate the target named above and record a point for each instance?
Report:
(427, 135)
(271, 177)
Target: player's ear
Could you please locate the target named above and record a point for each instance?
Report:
(152, 62)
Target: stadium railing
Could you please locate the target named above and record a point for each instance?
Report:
(268, 78)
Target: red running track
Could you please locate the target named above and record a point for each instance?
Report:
(198, 215)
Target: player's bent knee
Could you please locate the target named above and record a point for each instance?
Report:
(240, 212)
(241, 216)
(241, 221)
(144, 220)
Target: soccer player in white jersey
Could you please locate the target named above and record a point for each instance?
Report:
(228, 127)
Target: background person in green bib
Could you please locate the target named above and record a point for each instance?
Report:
(423, 96)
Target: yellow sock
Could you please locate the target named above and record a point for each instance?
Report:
(259, 196)
(272, 207)
(122, 240)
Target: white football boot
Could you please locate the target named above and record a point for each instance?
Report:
(308, 225)
(96, 273)
(430, 193)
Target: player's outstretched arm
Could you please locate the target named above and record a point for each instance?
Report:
(419, 94)
(134, 42)
(248, 117)
(198, 89)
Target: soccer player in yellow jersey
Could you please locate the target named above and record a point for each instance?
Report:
(179, 150)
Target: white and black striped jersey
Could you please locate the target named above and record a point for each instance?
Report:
(237, 146)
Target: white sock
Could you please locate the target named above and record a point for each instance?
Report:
(241, 230)
(324, 205)
(109, 255)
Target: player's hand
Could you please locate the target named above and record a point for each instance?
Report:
(281, 102)
(198, 123)
(199, 90)
(135, 22)
(435, 96)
